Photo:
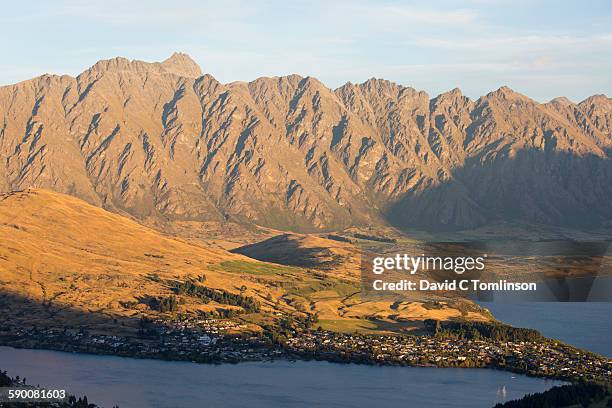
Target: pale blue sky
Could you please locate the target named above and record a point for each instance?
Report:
(541, 48)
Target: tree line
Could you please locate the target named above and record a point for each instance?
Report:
(70, 402)
(480, 330)
(583, 395)
(206, 294)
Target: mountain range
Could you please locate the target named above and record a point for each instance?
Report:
(165, 141)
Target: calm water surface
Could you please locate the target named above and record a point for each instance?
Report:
(586, 325)
(136, 383)
(133, 383)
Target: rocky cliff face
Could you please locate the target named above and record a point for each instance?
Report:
(163, 140)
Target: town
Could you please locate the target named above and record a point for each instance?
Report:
(543, 359)
(212, 341)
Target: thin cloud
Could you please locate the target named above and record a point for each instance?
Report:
(409, 14)
(505, 43)
(433, 46)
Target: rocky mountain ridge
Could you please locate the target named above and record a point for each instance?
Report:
(164, 140)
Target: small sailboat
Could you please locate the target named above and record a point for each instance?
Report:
(501, 392)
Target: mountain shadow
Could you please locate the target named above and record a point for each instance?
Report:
(532, 186)
(21, 313)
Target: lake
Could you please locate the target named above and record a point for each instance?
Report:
(133, 383)
(586, 324)
(159, 384)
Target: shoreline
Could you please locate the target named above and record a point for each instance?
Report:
(187, 375)
(296, 359)
(315, 346)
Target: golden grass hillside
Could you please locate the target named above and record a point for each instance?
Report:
(67, 255)
(341, 259)
(64, 262)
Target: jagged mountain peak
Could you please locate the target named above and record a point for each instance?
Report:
(597, 99)
(311, 81)
(562, 101)
(380, 84)
(290, 153)
(118, 64)
(182, 64)
(290, 81)
(178, 64)
(508, 94)
(453, 94)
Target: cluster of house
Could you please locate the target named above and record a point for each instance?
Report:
(209, 341)
(201, 341)
(210, 326)
(545, 358)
